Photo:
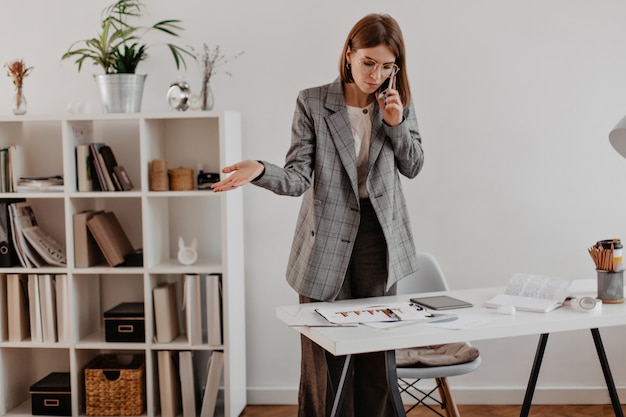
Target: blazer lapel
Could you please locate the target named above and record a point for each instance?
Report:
(340, 130)
(378, 137)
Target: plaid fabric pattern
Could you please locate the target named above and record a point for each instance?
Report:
(321, 166)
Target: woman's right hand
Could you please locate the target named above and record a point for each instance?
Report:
(242, 173)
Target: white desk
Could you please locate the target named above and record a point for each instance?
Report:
(362, 339)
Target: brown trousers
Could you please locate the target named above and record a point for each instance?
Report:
(367, 390)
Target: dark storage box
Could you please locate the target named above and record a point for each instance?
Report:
(125, 323)
(51, 396)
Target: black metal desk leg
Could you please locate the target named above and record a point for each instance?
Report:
(392, 383)
(340, 391)
(534, 374)
(604, 363)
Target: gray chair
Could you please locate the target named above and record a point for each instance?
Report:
(430, 278)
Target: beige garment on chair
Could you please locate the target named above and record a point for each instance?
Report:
(436, 355)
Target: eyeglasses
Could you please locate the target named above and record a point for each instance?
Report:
(369, 66)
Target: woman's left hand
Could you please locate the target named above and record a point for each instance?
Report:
(391, 105)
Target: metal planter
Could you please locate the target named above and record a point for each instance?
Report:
(120, 93)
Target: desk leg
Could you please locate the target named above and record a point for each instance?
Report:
(534, 374)
(604, 363)
(392, 382)
(340, 391)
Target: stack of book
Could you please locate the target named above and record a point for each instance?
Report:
(177, 386)
(98, 236)
(37, 308)
(22, 241)
(11, 166)
(97, 169)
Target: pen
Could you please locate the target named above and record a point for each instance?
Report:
(391, 314)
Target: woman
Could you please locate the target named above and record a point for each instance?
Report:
(353, 239)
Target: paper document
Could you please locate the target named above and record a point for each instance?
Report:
(533, 293)
(313, 319)
(368, 313)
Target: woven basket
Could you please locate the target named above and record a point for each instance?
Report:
(181, 179)
(113, 388)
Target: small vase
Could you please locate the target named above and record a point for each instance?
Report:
(206, 95)
(19, 102)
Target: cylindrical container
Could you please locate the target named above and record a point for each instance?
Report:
(120, 93)
(181, 179)
(611, 286)
(159, 180)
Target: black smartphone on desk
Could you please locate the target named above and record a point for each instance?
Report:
(440, 302)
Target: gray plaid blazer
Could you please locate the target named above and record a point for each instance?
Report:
(321, 166)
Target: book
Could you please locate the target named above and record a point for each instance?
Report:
(17, 307)
(214, 309)
(165, 312)
(16, 166)
(187, 388)
(193, 309)
(47, 299)
(86, 250)
(83, 169)
(50, 250)
(120, 174)
(98, 164)
(23, 217)
(169, 387)
(110, 237)
(34, 309)
(105, 173)
(37, 247)
(40, 184)
(5, 180)
(535, 293)
(214, 373)
(63, 308)
(110, 163)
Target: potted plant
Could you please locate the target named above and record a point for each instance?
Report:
(118, 49)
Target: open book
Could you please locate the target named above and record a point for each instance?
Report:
(533, 293)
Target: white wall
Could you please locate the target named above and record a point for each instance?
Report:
(515, 100)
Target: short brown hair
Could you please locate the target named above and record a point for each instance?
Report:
(371, 31)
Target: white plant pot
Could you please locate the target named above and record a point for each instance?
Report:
(120, 93)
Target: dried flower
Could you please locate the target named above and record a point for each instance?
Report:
(18, 71)
(211, 60)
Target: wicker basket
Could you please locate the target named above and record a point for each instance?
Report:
(113, 388)
(181, 179)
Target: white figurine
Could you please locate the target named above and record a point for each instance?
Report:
(187, 255)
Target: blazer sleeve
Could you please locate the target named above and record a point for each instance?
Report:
(407, 144)
(295, 177)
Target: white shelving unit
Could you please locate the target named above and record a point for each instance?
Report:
(153, 220)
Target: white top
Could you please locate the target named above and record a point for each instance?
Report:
(361, 122)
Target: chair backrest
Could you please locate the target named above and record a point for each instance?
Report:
(429, 277)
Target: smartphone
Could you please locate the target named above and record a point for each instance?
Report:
(382, 90)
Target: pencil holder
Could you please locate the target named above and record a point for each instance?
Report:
(611, 286)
